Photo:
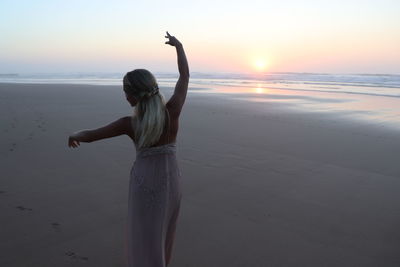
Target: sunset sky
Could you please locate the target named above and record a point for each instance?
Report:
(224, 36)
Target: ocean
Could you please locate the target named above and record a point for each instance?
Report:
(367, 84)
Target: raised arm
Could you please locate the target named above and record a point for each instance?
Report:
(115, 128)
(175, 103)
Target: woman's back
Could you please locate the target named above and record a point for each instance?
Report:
(169, 134)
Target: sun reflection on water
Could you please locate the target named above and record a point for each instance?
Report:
(260, 90)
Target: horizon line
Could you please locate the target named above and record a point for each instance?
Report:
(203, 72)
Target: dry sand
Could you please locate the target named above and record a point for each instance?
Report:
(262, 185)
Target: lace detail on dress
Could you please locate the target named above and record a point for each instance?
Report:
(163, 149)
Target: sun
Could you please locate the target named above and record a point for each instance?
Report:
(260, 64)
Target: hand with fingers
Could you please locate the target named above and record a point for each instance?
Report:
(73, 140)
(172, 40)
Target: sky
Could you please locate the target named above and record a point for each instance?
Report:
(341, 36)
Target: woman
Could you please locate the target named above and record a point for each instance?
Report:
(154, 189)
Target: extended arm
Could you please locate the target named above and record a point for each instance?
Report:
(113, 129)
(178, 98)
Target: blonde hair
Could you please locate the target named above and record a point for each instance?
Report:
(150, 109)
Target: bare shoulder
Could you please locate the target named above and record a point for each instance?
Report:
(171, 108)
(128, 124)
(174, 122)
(177, 100)
(172, 111)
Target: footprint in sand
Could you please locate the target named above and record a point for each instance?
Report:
(29, 136)
(23, 208)
(41, 124)
(13, 147)
(72, 255)
(41, 128)
(56, 226)
(13, 123)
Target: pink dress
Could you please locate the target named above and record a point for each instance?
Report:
(153, 207)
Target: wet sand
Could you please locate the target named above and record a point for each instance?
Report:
(263, 185)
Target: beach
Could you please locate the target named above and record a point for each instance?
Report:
(263, 184)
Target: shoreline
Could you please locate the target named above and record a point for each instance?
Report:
(375, 110)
